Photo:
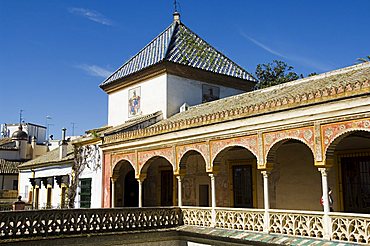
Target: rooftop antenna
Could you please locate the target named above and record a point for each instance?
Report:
(20, 116)
(73, 128)
(47, 127)
(175, 5)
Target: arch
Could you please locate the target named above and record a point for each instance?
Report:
(158, 181)
(123, 187)
(217, 156)
(202, 148)
(336, 139)
(118, 164)
(271, 151)
(249, 142)
(144, 168)
(166, 153)
(184, 157)
(129, 157)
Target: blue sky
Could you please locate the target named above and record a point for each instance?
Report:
(54, 54)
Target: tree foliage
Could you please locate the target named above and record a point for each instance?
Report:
(363, 59)
(274, 73)
(85, 156)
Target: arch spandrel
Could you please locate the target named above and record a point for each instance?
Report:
(248, 142)
(201, 148)
(167, 153)
(333, 132)
(304, 135)
(129, 157)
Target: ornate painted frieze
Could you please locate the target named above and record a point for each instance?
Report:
(248, 142)
(167, 153)
(330, 132)
(304, 134)
(130, 157)
(202, 148)
(318, 143)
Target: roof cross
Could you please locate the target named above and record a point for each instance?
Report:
(175, 5)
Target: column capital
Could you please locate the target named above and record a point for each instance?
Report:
(179, 177)
(327, 163)
(266, 173)
(324, 171)
(212, 175)
(141, 178)
(265, 166)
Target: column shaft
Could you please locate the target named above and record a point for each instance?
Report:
(179, 191)
(266, 201)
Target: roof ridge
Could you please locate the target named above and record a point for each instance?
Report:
(176, 24)
(290, 83)
(319, 76)
(221, 53)
(136, 54)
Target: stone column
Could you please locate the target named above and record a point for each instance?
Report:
(325, 198)
(213, 198)
(113, 197)
(141, 180)
(179, 190)
(266, 226)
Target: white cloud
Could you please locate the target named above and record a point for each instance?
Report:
(299, 59)
(95, 70)
(263, 46)
(92, 15)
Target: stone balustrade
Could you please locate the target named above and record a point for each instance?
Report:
(343, 227)
(16, 224)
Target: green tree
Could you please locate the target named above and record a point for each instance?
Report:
(274, 73)
(363, 59)
(312, 74)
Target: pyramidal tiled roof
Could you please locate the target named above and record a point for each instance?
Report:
(180, 45)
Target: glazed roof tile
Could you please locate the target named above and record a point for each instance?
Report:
(178, 44)
(9, 167)
(310, 85)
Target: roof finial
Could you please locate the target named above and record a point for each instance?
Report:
(176, 15)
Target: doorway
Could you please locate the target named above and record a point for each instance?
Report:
(242, 186)
(131, 194)
(356, 184)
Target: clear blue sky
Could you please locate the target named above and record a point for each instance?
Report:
(54, 54)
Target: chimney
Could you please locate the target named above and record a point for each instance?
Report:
(33, 145)
(63, 145)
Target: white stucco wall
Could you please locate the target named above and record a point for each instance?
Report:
(153, 98)
(182, 90)
(96, 182)
(24, 185)
(56, 191)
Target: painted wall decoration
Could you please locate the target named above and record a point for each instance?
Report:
(304, 134)
(167, 153)
(202, 148)
(248, 142)
(331, 132)
(210, 93)
(134, 101)
(130, 157)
